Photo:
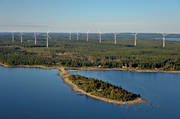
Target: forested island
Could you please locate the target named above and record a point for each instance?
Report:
(100, 90)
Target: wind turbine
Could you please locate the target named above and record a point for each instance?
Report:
(70, 36)
(77, 36)
(87, 36)
(21, 37)
(12, 36)
(115, 38)
(135, 39)
(164, 40)
(35, 38)
(47, 44)
(100, 39)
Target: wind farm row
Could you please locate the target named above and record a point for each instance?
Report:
(114, 37)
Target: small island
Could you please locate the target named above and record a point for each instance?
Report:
(100, 90)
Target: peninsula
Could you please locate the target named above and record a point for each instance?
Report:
(100, 90)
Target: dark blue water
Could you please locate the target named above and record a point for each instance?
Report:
(173, 39)
(29, 93)
(169, 39)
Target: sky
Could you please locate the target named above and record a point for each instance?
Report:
(90, 15)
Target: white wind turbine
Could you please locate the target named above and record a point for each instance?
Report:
(100, 38)
(135, 39)
(87, 39)
(115, 38)
(164, 40)
(47, 43)
(12, 34)
(21, 37)
(70, 37)
(77, 35)
(35, 38)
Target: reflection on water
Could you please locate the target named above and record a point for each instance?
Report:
(41, 94)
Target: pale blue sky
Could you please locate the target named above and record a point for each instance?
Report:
(90, 15)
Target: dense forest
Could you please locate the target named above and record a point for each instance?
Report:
(13, 56)
(148, 54)
(102, 89)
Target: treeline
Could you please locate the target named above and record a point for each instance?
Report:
(20, 56)
(13, 56)
(102, 89)
(140, 62)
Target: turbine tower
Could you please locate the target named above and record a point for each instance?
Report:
(77, 36)
(87, 36)
(21, 38)
(12, 36)
(35, 38)
(135, 39)
(47, 45)
(100, 37)
(164, 40)
(70, 36)
(115, 38)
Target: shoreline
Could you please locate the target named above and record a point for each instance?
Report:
(30, 66)
(64, 74)
(89, 68)
(119, 69)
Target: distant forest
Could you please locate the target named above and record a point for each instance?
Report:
(148, 54)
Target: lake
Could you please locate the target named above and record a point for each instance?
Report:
(32, 93)
(173, 39)
(169, 39)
